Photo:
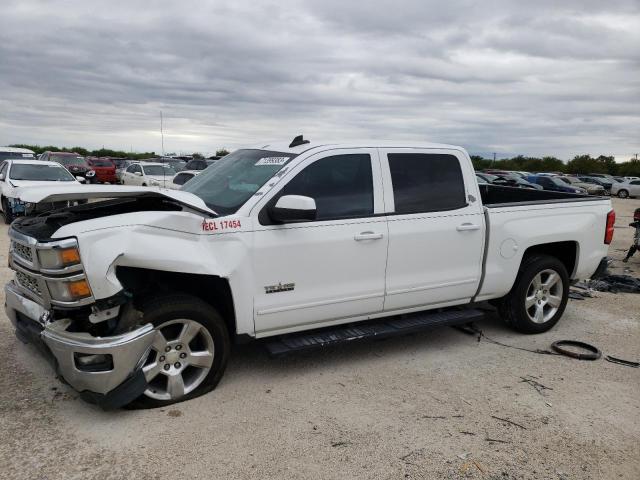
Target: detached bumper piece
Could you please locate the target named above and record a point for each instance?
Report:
(390, 327)
(104, 370)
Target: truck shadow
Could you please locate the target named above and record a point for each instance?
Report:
(251, 359)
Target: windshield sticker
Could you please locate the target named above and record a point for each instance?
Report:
(272, 161)
(220, 225)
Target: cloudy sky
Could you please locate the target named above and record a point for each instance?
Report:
(530, 78)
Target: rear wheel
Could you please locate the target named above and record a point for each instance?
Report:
(538, 299)
(189, 352)
(623, 193)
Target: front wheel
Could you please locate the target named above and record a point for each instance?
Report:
(6, 211)
(189, 352)
(539, 296)
(623, 194)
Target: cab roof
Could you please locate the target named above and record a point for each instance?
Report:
(285, 147)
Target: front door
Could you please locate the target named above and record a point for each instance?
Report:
(324, 271)
(436, 229)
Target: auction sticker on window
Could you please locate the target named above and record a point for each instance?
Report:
(272, 161)
(220, 225)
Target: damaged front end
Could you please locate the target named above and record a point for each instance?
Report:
(98, 349)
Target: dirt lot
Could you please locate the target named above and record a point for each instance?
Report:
(413, 407)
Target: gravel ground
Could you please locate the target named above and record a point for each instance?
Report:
(423, 406)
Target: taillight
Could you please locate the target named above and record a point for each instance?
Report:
(608, 233)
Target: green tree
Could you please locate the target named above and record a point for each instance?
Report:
(222, 152)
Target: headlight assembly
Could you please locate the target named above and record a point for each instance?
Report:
(69, 291)
(56, 258)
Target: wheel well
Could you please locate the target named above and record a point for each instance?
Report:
(566, 252)
(214, 290)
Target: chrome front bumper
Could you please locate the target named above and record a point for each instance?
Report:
(127, 350)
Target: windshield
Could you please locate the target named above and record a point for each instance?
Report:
(158, 170)
(14, 155)
(557, 181)
(227, 184)
(43, 173)
(68, 160)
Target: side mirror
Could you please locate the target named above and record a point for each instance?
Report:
(293, 208)
(81, 179)
(138, 173)
(1, 177)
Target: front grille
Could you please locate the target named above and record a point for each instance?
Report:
(29, 282)
(23, 251)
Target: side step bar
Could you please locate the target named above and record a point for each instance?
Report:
(383, 328)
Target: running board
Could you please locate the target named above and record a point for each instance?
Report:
(383, 328)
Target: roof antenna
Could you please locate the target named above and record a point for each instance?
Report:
(298, 141)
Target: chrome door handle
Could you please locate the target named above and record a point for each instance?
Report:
(367, 236)
(467, 226)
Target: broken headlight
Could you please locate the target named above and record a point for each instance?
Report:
(69, 291)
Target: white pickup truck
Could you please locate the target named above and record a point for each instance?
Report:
(138, 297)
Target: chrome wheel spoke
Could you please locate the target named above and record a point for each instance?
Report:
(537, 281)
(159, 342)
(554, 301)
(175, 385)
(151, 371)
(529, 302)
(201, 359)
(539, 315)
(189, 331)
(551, 280)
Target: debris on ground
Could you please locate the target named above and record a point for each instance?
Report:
(576, 349)
(621, 361)
(540, 388)
(509, 421)
(615, 284)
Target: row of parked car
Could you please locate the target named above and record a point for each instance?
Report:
(589, 184)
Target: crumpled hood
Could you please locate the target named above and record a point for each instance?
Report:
(58, 193)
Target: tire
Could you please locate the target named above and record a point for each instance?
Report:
(170, 314)
(623, 193)
(8, 218)
(521, 307)
(144, 184)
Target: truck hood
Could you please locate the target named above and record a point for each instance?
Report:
(58, 193)
(42, 183)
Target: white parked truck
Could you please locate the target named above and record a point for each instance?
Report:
(138, 297)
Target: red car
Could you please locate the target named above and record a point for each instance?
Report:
(105, 169)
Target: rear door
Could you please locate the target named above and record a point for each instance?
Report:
(436, 228)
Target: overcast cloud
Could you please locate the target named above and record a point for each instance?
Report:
(532, 78)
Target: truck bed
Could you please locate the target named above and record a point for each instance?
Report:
(498, 196)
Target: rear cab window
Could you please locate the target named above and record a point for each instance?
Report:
(426, 182)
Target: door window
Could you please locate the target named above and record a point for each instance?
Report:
(134, 169)
(3, 169)
(426, 182)
(341, 185)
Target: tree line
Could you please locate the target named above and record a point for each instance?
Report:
(103, 152)
(578, 164)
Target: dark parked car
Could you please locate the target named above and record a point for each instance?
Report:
(197, 164)
(105, 169)
(605, 182)
(554, 184)
(74, 162)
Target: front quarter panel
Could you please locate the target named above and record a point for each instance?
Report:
(168, 241)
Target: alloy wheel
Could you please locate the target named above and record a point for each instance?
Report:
(544, 296)
(180, 359)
